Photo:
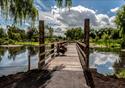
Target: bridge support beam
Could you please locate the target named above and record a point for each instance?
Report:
(41, 45)
(52, 52)
(86, 39)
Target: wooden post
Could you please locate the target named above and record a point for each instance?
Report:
(52, 47)
(86, 39)
(41, 43)
(29, 60)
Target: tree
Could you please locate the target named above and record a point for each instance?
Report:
(15, 33)
(32, 34)
(74, 34)
(93, 33)
(120, 22)
(50, 32)
(2, 33)
(67, 3)
(19, 10)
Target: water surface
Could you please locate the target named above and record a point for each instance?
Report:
(15, 59)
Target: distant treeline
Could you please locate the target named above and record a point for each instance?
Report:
(78, 34)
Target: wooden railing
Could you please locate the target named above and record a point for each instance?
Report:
(48, 54)
(83, 53)
(81, 49)
(44, 54)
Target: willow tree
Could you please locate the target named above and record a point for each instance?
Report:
(22, 10)
(66, 3)
(18, 10)
(120, 21)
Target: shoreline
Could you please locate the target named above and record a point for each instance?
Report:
(107, 81)
(35, 77)
(11, 45)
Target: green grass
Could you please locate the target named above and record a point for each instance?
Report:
(29, 43)
(121, 73)
(106, 43)
(26, 43)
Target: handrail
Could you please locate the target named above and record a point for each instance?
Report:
(81, 52)
(82, 56)
(82, 44)
(49, 53)
(81, 49)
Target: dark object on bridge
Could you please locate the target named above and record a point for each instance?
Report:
(61, 49)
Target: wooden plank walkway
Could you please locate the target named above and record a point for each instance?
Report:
(69, 72)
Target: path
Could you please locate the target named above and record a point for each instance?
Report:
(70, 73)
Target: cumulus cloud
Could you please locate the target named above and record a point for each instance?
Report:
(112, 21)
(62, 18)
(114, 10)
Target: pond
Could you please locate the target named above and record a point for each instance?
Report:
(105, 60)
(15, 59)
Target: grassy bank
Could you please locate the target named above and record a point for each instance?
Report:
(105, 43)
(26, 43)
(121, 73)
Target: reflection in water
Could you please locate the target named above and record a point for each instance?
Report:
(14, 51)
(15, 59)
(32, 50)
(2, 50)
(119, 67)
(103, 62)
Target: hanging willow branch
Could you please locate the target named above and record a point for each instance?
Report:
(68, 3)
(19, 10)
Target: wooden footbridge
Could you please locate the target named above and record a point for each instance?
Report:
(72, 69)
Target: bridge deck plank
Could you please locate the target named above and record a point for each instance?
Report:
(69, 72)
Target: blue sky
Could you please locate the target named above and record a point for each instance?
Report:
(102, 6)
(99, 6)
(100, 12)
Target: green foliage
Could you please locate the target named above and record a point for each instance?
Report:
(121, 73)
(19, 10)
(120, 21)
(2, 33)
(106, 37)
(67, 3)
(49, 31)
(104, 33)
(32, 34)
(74, 34)
(15, 33)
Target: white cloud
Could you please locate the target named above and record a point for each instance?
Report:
(111, 20)
(62, 18)
(114, 10)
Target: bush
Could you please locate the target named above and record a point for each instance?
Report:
(2, 41)
(123, 45)
(6, 41)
